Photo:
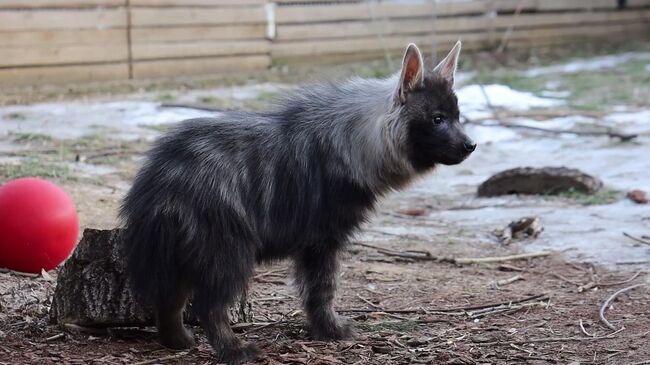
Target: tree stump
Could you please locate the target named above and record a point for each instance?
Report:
(92, 290)
(545, 180)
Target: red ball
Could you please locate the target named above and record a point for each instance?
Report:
(38, 225)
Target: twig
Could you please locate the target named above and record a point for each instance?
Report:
(508, 33)
(582, 328)
(447, 310)
(557, 339)
(612, 134)
(504, 308)
(120, 152)
(566, 279)
(206, 108)
(55, 337)
(427, 256)
(162, 359)
(605, 305)
(622, 282)
(75, 328)
(640, 262)
(589, 285)
(486, 260)
(368, 302)
(511, 280)
(636, 238)
(18, 273)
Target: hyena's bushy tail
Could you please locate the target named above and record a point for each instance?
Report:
(150, 244)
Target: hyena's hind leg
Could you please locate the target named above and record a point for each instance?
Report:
(316, 274)
(228, 281)
(169, 319)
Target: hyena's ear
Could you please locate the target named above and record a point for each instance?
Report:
(412, 74)
(447, 67)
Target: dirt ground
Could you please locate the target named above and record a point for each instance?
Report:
(404, 285)
(404, 311)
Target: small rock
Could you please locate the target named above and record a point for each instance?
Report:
(638, 196)
(524, 227)
(545, 180)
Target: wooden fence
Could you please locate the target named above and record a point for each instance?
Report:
(59, 41)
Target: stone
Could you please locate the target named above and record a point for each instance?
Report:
(545, 180)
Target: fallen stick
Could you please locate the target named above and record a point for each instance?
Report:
(511, 280)
(18, 273)
(582, 328)
(505, 309)
(486, 260)
(636, 238)
(427, 256)
(206, 108)
(603, 307)
(55, 337)
(640, 262)
(624, 281)
(447, 310)
(612, 134)
(558, 339)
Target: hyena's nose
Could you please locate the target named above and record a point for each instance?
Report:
(469, 145)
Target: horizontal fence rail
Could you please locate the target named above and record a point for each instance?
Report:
(62, 41)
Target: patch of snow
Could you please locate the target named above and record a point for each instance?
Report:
(630, 122)
(123, 119)
(560, 123)
(555, 94)
(473, 103)
(490, 134)
(590, 64)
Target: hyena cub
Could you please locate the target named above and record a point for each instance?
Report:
(218, 195)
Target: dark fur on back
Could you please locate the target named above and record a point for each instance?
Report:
(217, 195)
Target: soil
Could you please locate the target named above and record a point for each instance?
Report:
(399, 307)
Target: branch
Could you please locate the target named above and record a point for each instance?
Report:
(612, 134)
(603, 307)
(427, 256)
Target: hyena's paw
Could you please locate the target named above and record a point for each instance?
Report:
(245, 352)
(179, 340)
(339, 329)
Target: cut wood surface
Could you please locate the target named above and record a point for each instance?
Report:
(545, 180)
(93, 290)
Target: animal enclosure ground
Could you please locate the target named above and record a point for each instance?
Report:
(405, 310)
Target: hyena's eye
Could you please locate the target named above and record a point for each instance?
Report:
(438, 119)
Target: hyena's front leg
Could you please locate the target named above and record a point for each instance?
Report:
(316, 273)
